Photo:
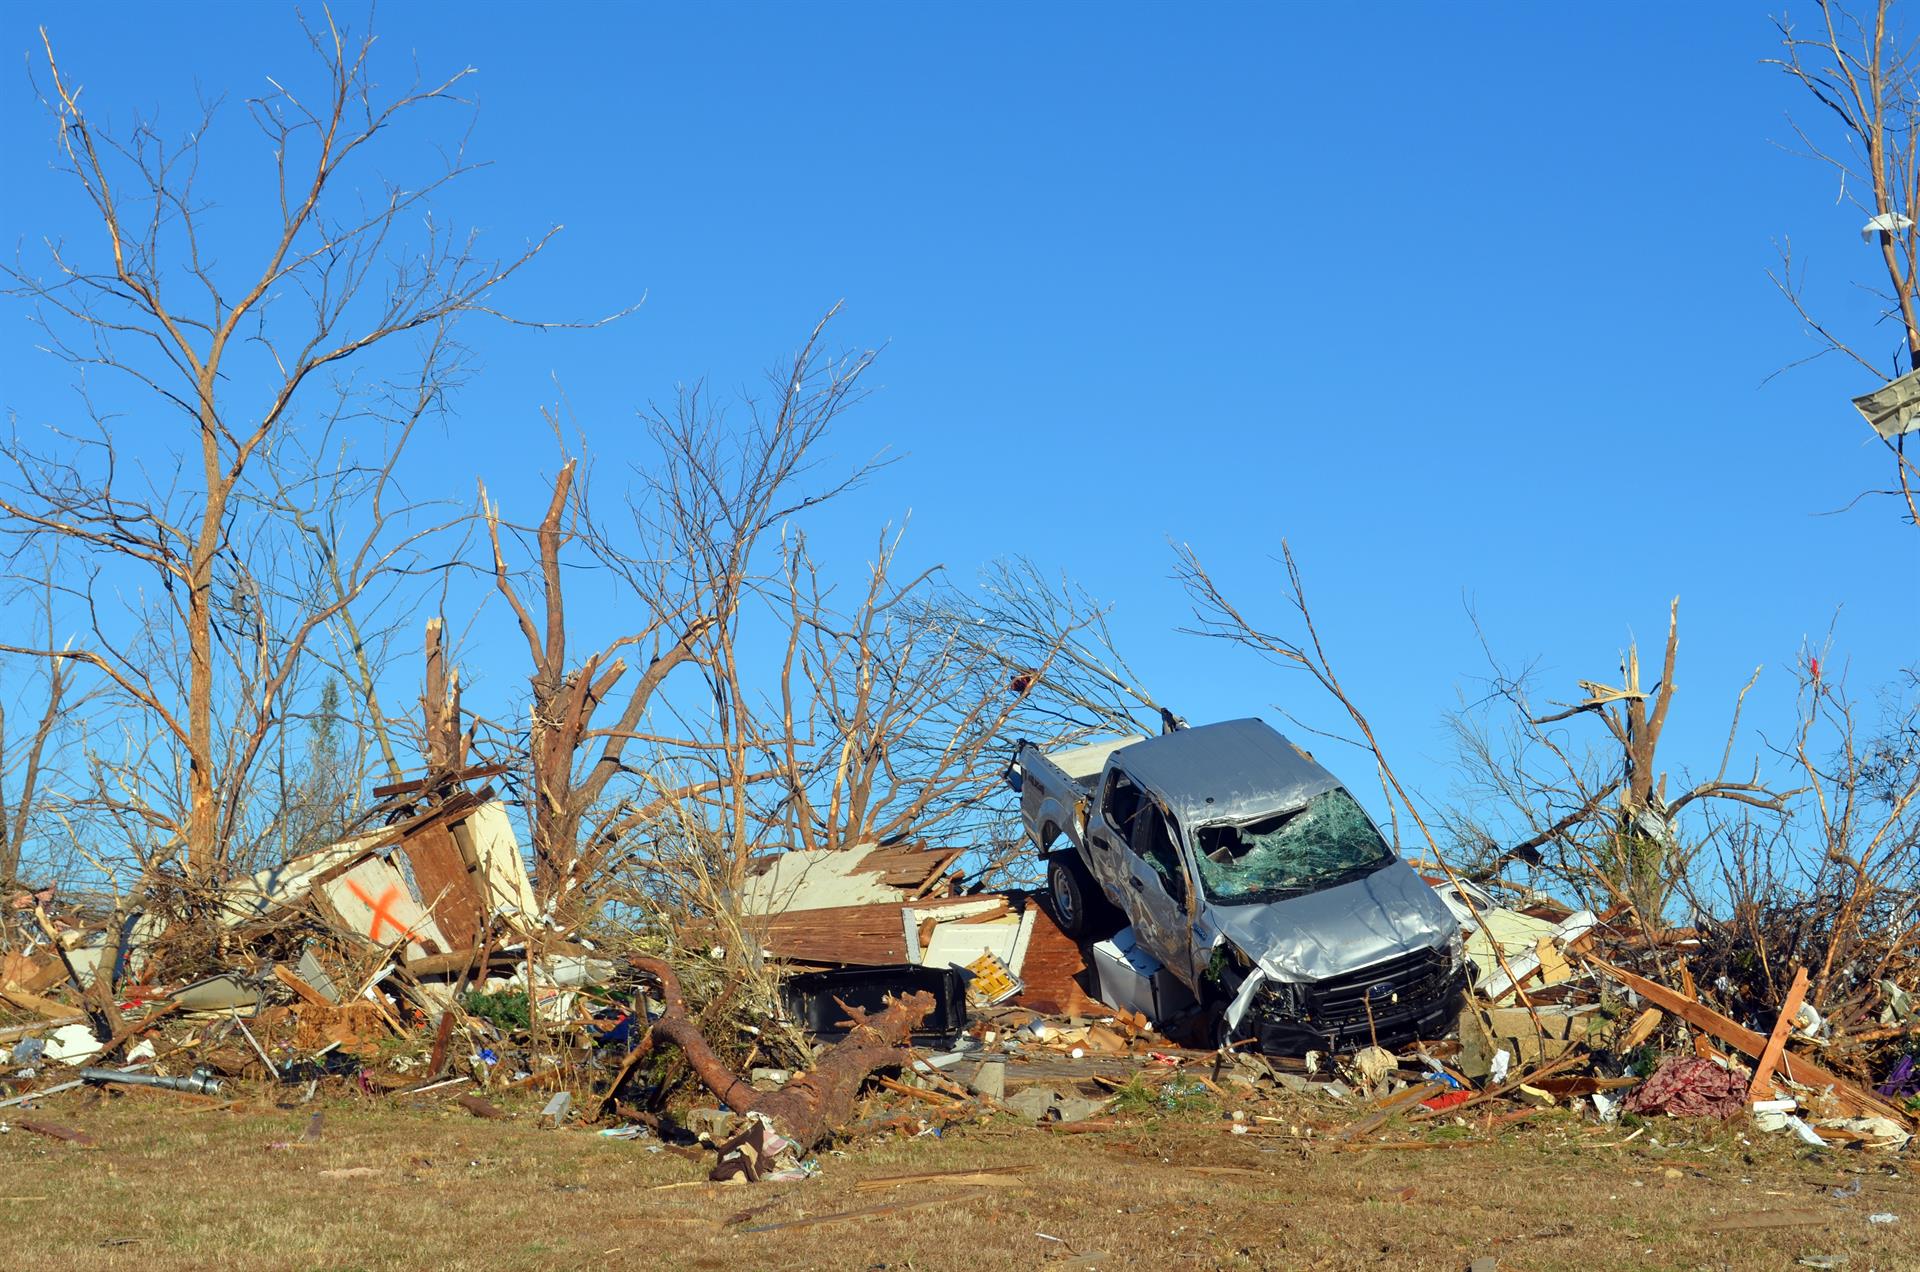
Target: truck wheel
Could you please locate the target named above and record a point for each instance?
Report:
(1078, 905)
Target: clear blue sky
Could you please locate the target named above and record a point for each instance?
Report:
(1467, 301)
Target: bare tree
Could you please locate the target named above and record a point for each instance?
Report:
(896, 715)
(1597, 813)
(1864, 806)
(1865, 77)
(220, 359)
(24, 762)
(1021, 620)
(707, 499)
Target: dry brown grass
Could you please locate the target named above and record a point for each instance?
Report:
(169, 1188)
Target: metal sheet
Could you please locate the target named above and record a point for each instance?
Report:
(1894, 408)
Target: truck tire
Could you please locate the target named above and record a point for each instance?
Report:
(1079, 907)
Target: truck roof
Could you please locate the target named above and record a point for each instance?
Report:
(1235, 770)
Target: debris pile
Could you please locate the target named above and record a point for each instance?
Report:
(412, 959)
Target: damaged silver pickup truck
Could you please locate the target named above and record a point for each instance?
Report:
(1254, 878)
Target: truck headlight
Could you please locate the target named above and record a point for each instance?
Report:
(1456, 949)
(1285, 998)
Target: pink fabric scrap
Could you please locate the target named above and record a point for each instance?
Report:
(1690, 1087)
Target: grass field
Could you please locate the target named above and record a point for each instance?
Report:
(171, 1184)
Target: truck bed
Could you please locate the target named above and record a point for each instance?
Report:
(1081, 765)
(1055, 783)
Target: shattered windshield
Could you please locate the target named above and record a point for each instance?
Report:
(1326, 841)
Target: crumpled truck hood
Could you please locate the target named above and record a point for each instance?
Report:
(1390, 912)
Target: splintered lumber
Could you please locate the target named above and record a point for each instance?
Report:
(1491, 1093)
(919, 1093)
(28, 1001)
(1770, 1219)
(1642, 1028)
(1584, 1085)
(1762, 1085)
(133, 1029)
(1797, 1068)
(1386, 1108)
(1407, 1146)
(12, 1032)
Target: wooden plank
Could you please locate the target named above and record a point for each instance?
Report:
(11, 1032)
(988, 1176)
(868, 1213)
(421, 783)
(1761, 1087)
(132, 1029)
(1797, 1068)
(53, 1130)
(33, 1002)
(1553, 966)
(20, 971)
(305, 992)
(1761, 1219)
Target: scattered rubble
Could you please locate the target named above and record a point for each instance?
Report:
(411, 961)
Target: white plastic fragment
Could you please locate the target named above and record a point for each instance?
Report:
(1885, 223)
(1806, 1133)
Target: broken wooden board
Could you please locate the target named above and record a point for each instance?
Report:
(1761, 1087)
(1754, 1220)
(54, 1130)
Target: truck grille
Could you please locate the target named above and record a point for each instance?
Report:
(1393, 989)
(1413, 996)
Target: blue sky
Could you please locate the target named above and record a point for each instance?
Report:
(1468, 302)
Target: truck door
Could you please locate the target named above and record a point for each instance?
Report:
(1157, 886)
(1109, 830)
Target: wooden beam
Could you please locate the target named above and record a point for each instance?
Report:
(1761, 1087)
(421, 784)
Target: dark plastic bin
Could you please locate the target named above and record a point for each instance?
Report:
(810, 997)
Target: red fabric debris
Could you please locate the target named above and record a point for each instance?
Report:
(1690, 1087)
(1447, 1100)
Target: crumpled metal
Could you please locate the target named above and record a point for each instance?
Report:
(1690, 1087)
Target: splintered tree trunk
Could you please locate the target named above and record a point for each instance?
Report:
(203, 850)
(814, 1105)
(440, 709)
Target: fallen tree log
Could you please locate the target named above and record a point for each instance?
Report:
(815, 1104)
